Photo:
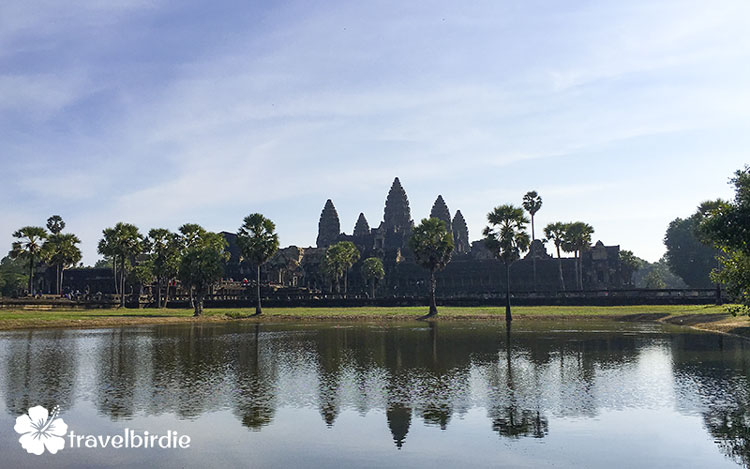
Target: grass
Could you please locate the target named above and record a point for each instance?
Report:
(710, 317)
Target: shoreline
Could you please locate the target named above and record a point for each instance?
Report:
(704, 318)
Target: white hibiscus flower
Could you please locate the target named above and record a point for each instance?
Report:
(41, 430)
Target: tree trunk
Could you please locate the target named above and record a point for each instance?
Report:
(122, 282)
(508, 317)
(166, 294)
(433, 285)
(372, 288)
(62, 272)
(258, 309)
(346, 282)
(575, 265)
(198, 302)
(158, 293)
(31, 273)
(58, 281)
(114, 274)
(559, 268)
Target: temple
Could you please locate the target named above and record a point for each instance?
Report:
(472, 271)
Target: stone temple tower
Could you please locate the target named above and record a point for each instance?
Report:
(460, 234)
(441, 212)
(329, 227)
(397, 215)
(362, 228)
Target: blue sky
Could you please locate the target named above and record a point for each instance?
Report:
(621, 114)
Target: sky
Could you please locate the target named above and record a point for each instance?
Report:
(624, 115)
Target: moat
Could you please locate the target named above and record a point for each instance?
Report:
(564, 393)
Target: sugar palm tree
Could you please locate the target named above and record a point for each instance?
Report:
(258, 241)
(577, 238)
(506, 238)
(55, 224)
(372, 271)
(432, 245)
(339, 258)
(122, 243)
(28, 246)
(532, 203)
(60, 251)
(165, 259)
(555, 232)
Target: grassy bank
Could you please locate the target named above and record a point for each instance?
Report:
(704, 317)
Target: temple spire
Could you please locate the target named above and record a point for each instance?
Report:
(460, 234)
(440, 211)
(329, 227)
(397, 215)
(361, 228)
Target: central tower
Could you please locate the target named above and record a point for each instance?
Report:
(397, 215)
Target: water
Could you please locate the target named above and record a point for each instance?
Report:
(562, 394)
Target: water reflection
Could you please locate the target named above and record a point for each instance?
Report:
(435, 373)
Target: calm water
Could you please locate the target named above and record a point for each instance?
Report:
(563, 394)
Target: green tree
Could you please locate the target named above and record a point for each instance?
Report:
(432, 245)
(164, 260)
(687, 254)
(28, 248)
(55, 224)
(60, 251)
(372, 272)
(339, 258)
(507, 239)
(727, 226)
(202, 265)
(577, 238)
(122, 243)
(258, 241)
(654, 281)
(13, 276)
(629, 263)
(532, 202)
(555, 232)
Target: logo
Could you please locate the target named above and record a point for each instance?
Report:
(41, 430)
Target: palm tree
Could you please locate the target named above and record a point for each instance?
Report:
(432, 245)
(29, 245)
(372, 271)
(122, 242)
(555, 232)
(577, 238)
(202, 265)
(339, 258)
(258, 241)
(532, 202)
(165, 259)
(61, 252)
(506, 238)
(55, 224)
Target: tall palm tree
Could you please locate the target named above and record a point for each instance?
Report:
(28, 246)
(166, 252)
(55, 224)
(339, 258)
(577, 237)
(122, 242)
(506, 238)
(61, 252)
(432, 245)
(555, 232)
(532, 202)
(258, 241)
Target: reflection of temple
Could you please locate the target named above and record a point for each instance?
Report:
(472, 270)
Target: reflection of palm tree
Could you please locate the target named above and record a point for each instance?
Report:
(731, 431)
(256, 386)
(41, 370)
